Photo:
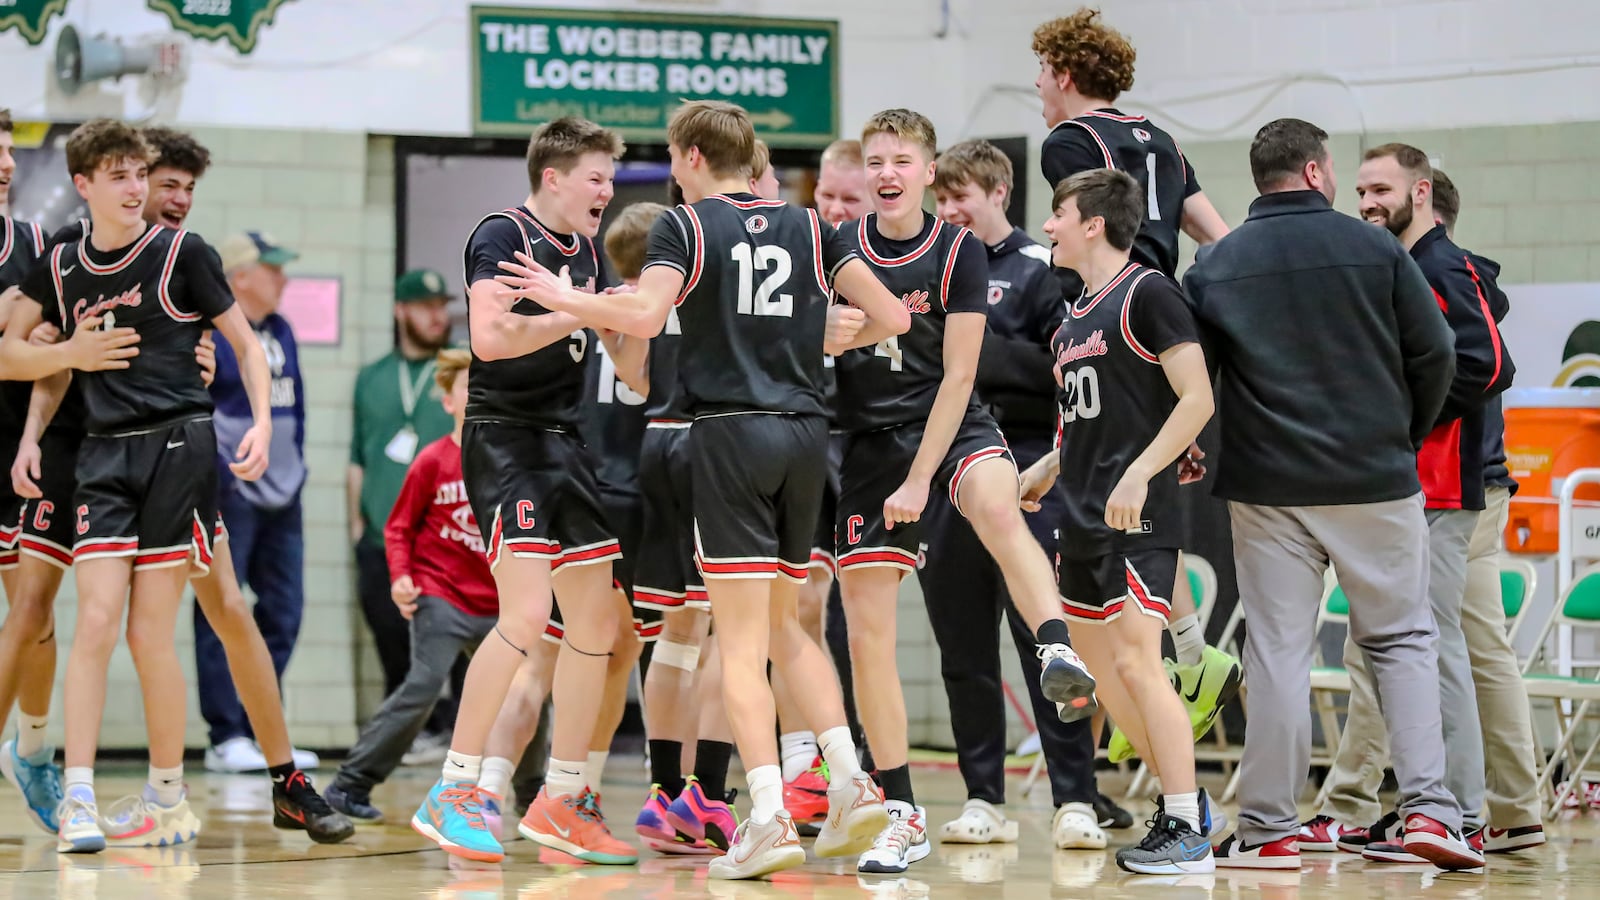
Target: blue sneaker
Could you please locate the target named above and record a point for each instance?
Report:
(452, 817)
(39, 781)
(80, 823)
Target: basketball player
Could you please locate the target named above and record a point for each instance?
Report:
(532, 485)
(1130, 404)
(46, 536)
(914, 426)
(841, 191)
(963, 588)
(144, 513)
(1084, 66)
(753, 319)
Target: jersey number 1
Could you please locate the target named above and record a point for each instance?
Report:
(1150, 187)
(758, 299)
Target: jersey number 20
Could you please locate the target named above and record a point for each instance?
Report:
(763, 299)
(1081, 394)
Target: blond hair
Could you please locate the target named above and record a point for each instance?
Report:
(560, 144)
(761, 160)
(843, 152)
(974, 162)
(449, 365)
(98, 142)
(909, 126)
(628, 237)
(720, 130)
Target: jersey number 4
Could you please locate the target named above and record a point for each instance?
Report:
(763, 299)
(1080, 394)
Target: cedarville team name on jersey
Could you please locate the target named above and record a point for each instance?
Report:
(758, 278)
(545, 387)
(944, 269)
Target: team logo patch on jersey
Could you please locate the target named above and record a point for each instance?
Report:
(755, 224)
(917, 302)
(996, 294)
(1142, 135)
(462, 517)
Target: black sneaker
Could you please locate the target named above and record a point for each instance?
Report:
(297, 805)
(355, 804)
(1171, 847)
(1110, 814)
(1386, 829)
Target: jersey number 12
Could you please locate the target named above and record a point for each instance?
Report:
(763, 299)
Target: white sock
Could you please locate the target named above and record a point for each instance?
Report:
(495, 775)
(1187, 639)
(1185, 807)
(563, 777)
(766, 793)
(166, 785)
(839, 749)
(799, 750)
(595, 768)
(78, 776)
(30, 734)
(460, 768)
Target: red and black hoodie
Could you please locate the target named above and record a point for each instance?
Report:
(1451, 461)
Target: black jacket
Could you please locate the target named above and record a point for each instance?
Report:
(1331, 356)
(1495, 471)
(1025, 308)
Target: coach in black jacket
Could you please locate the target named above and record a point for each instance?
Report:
(1333, 363)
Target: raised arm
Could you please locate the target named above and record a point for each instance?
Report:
(1201, 221)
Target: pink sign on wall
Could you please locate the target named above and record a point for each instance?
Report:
(312, 307)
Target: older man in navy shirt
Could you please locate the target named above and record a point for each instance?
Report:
(263, 518)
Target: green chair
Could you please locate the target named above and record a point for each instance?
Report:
(1578, 608)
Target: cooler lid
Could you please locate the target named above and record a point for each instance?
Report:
(1552, 398)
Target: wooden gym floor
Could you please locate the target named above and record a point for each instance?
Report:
(240, 855)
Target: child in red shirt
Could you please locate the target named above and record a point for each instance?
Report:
(441, 584)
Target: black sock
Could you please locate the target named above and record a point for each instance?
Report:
(280, 774)
(897, 784)
(711, 767)
(1054, 631)
(666, 766)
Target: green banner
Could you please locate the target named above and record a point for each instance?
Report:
(28, 17)
(239, 22)
(629, 71)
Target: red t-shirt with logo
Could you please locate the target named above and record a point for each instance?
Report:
(432, 535)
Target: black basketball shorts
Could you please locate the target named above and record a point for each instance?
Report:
(822, 543)
(876, 464)
(48, 521)
(11, 505)
(666, 578)
(1099, 589)
(150, 495)
(536, 488)
(625, 512)
(758, 483)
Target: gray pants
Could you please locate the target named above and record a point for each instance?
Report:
(1380, 550)
(439, 634)
(1501, 708)
(1364, 749)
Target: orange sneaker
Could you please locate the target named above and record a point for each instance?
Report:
(572, 824)
(806, 797)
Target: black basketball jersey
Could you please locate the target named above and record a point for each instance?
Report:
(1114, 398)
(944, 269)
(21, 246)
(544, 387)
(758, 278)
(667, 398)
(1107, 139)
(167, 285)
(613, 422)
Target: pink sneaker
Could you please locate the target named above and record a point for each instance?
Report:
(702, 818)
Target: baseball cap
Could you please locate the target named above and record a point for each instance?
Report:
(248, 247)
(420, 284)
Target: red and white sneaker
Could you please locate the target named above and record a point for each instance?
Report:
(1442, 846)
(1321, 834)
(1234, 853)
(1510, 840)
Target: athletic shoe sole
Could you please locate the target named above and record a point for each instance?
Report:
(1229, 690)
(774, 860)
(452, 848)
(1513, 840)
(1198, 867)
(914, 853)
(576, 851)
(1393, 857)
(860, 829)
(1071, 689)
(1443, 852)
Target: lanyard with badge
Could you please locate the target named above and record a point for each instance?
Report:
(402, 448)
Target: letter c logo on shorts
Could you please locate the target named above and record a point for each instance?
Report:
(83, 520)
(525, 514)
(41, 515)
(852, 532)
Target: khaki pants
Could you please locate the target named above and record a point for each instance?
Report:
(1512, 796)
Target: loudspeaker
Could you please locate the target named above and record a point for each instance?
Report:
(81, 60)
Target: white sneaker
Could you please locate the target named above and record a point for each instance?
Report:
(140, 822)
(235, 755)
(80, 823)
(759, 850)
(856, 815)
(1075, 827)
(904, 842)
(980, 822)
(426, 750)
(305, 760)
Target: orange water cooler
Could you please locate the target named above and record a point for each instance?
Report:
(1549, 433)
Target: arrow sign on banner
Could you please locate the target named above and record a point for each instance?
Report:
(28, 17)
(238, 22)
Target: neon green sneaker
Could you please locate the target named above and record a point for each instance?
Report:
(1206, 687)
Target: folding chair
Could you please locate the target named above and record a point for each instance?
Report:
(1328, 680)
(1518, 580)
(1578, 608)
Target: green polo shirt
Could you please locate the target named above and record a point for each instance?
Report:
(379, 411)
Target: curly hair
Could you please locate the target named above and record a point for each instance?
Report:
(1097, 56)
(177, 150)
(101, 141)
